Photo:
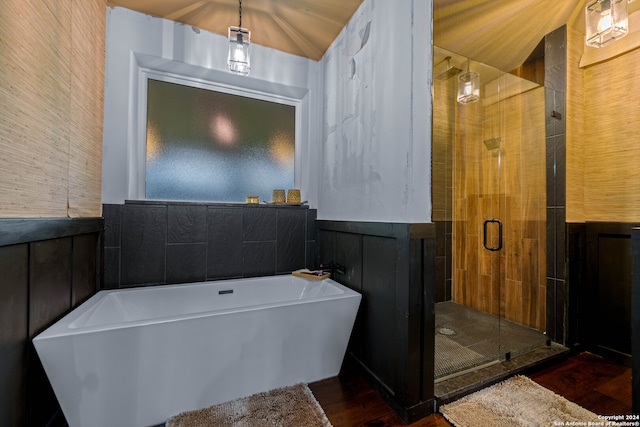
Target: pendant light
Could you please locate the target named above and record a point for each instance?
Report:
(606, 21)
(468, 86)
(239, 41)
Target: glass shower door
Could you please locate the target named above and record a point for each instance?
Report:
(466, 160)
(478, 216)
(493, 150)
(522, 209)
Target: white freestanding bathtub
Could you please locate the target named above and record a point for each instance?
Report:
(133, 358)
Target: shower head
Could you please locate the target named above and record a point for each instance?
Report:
(449, 71)
(492, 143)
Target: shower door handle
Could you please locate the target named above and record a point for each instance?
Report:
(484, 232)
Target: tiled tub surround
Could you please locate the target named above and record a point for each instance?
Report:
(134, 357)
(154, 242)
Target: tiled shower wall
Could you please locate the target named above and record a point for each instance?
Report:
(555, 83)
(150, 243)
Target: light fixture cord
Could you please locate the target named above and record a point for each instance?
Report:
(240, 13)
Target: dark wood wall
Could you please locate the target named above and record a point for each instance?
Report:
(575, 301)
(635, 319)
(606, 314)
(47, 267)
(393, 266)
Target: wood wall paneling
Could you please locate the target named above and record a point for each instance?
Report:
(86, 267)
(21, 230)
(607, 315)
(613, 292)
(426, 275)
(50, 271)
(50, 282)
(14, 334)
(48, 266)
(393, 266)
(346, 250)
(577, 281)
(635, 319)
(379, 298)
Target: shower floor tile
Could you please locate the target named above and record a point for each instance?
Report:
(473, 355)
(479, 338)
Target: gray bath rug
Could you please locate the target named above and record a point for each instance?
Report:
(284, 407)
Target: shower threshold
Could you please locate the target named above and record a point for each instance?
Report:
(462, 383)
(465, 371)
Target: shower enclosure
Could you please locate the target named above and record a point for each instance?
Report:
(489, 206)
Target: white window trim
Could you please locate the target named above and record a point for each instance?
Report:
(147, 67)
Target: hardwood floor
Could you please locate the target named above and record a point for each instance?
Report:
(601, 386)
(598, 385)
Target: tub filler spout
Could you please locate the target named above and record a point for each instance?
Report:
(333, 268)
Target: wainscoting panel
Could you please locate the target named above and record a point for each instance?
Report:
(86, 269)
(49, 284)
(48, 267)
(49, 298)
(635, 316)
(14, 333)
(393, 266)
(608, 312)
(577, 283)
(379, 305)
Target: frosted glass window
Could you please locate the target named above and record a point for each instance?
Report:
(215, 146)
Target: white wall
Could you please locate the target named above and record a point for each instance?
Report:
(137, 43)
(365, 151)
(377, 116)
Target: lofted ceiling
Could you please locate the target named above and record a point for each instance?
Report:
(300, 27)
(500, 33)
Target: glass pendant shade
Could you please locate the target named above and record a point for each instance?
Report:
(468, 87)
(606, 21)
(239, 41)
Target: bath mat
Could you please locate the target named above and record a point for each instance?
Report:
(283, 407)
(451, 357)
(517, 401)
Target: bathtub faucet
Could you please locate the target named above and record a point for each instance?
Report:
(333, 268)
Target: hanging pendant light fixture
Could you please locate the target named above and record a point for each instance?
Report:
(468, 86)
(239, 41)
(606, 21)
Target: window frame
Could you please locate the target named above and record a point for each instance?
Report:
(217, 81)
